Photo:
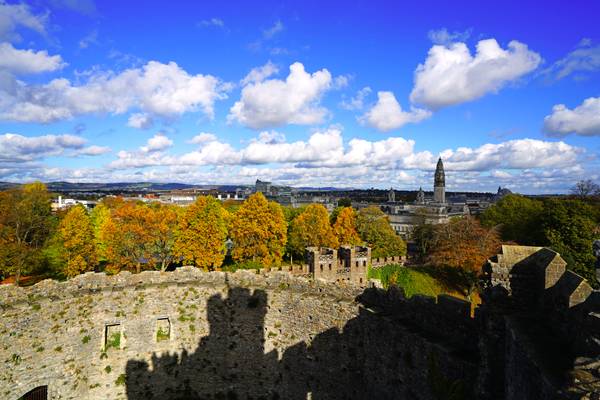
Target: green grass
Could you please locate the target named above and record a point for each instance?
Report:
(411, 280)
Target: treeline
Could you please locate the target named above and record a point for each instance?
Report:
(567, 225)
(123, 235)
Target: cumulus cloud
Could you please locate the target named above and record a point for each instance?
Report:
(585, 58)
(444, 37)
(18, 61)
(259, 74)
(203, 137)
(94, 150)
(275, 102)
(140, 121)
(16, 148)
(89, 39)
(158, 142)
(161, 89)
(387, 114)
(358, 101)
(512, 154)
(15, 15)
(583, 120)
(451, 75)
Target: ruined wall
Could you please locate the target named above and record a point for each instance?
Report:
(189, 334)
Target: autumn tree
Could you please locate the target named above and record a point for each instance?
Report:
(374, 228)
(464, 245)
(127, 237)
(344, 227)
(201, 233)
(25, 219)
(98, 216)
(78, 245)
(311, 228)
(258, 231)
(161, 223)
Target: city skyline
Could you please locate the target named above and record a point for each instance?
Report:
(364, 95)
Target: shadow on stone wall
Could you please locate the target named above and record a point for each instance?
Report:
(364, 361)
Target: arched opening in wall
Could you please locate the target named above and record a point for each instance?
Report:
(39, 393)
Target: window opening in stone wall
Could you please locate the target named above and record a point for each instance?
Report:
(321, 267)
(163, 329)
(112, 336)
(39, 393)
(364, 263)
(357, 263)
(330, 267)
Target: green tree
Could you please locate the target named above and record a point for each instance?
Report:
(25, 220)
(258, 230)
(311, 228)
(78, 244)
(518, 218)
(344, 227)
(201, 233)
(568, 227)
(374, 228)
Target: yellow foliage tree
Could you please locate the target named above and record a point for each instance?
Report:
(258, 230)
(161, 225)
(25, 217)
(78, 245)
(311, 228)
(344, 227)
(201, 233)
(126, 236)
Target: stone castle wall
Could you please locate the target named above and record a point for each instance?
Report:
(194, 335)
(190, 334)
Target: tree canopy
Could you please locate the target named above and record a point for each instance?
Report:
(77, 240)
(344, 227)
(374, 228)
(258, 230)
(311, 228)
(201, 233)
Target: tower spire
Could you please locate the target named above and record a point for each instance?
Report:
(439, 183)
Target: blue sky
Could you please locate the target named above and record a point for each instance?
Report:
(360, 94)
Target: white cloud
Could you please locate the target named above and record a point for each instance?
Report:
(15, 15)
(276, 102)
(218, 22)
(444, 37)
(27, 61)
(272, 31)
(387, 114)
(583, 120)
(203, 137)
(16, 148)
(259, 74)
(140, 121)
(158, 142)
(161, 89)
(512, 154)
(94, 150)
(356, 102)
(451, 75)
(89, 39)
(585, 58)
(341, 81)
(271, 137)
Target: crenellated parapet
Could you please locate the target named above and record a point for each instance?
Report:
(546, 321)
